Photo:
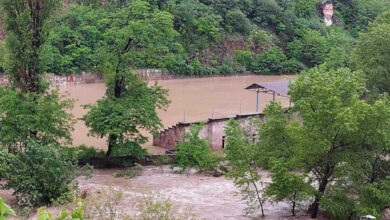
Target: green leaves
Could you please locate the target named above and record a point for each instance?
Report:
(242, 152)
(195, 152)
(339, 141)
(371, 55)
(5, 210)
(40, 175)
(27, 116)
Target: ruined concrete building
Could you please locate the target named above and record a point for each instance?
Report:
(214, 128)
(213, 131)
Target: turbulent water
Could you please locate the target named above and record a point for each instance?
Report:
(192, 100)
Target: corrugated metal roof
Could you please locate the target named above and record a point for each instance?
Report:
(280, 88)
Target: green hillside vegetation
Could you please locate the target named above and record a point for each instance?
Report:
(210, 37)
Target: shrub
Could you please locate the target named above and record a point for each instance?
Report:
(195, 152)
(161, 209)
(129, 173)
(260, 39)
(271, 61)
(83, 152)
(129, 148)
(163, 160)
(227, 66)
(40, 175)
(238, 22)
(244, 58)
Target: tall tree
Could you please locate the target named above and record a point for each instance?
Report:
(137, 32)
(242, 153)
(335, 132)
(26, 27)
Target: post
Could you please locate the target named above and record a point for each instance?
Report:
(184, 116)
(273, 96)
(257, 100)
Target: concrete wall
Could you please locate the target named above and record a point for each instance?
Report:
(213, 131)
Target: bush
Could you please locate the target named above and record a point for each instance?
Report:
(260, 39)
(129, 173)
(83, 152)
(238, 22)
(227, 66)
(244, 58)
(40, 175)
(195, 152)
(129, 149)
(271, 61)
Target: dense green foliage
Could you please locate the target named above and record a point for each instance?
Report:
(339, 143)
(204, 35)
(242, 153)
(288, 186)
(195, 152)
(371, 54)
(28, 116)
(26, 28)
(39, 175)
(34, 121)
(130, 105)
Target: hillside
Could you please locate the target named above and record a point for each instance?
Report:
(214, 37)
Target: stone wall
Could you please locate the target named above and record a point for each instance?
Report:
(213, 131)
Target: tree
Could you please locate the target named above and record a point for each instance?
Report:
(129, 104)
(287, 186)
(370, 54)
(73, 43)
(271, 61)
(27, 117)
(195, 152)
(26, 27)
(238, 22)
(335, 124)
(39, 175)
(314, 48)
(242, 153)
(244, 58)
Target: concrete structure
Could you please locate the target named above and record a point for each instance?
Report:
(213, 131)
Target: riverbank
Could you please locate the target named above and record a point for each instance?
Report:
(207, 197)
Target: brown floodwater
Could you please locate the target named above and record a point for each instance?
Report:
(191, 100)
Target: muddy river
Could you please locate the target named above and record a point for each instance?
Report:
(191, 99)
(206, 197)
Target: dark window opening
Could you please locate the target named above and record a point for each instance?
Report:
(223, 142)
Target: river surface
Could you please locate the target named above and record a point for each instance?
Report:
(191, 100)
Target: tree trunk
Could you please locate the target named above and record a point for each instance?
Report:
(314, 207)
(293, 205)
(111, 141)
